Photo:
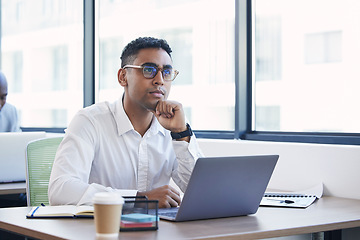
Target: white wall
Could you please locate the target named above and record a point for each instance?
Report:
(302, 166)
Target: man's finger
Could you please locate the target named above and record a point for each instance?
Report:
(175, 195)
(173, 203)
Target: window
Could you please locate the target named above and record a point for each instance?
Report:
(41, 57)
(268, 48)
(14, 65)
(273, 70)
(323, 47)
(267, 117)
(201, 35)
(310, 54)
(109, 64)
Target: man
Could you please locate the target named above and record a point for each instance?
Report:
(133, 146)
(9, 121)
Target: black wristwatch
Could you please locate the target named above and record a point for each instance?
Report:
(187, 133)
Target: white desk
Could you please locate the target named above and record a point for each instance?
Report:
(12, 188)
(327, 214)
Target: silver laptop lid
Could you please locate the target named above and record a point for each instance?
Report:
(12, 154)
(226, 187)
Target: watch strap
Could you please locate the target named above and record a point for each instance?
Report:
(187, 133)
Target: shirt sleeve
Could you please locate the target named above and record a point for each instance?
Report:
(186, 156)
(16, 125)
(72, 166)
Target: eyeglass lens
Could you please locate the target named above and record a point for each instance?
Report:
(150, 72)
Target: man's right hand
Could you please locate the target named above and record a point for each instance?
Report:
(166, 195)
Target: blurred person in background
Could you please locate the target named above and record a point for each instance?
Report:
(9, 121)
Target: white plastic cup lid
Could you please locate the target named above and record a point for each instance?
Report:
(108, 198)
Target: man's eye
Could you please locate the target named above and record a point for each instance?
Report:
(148, 69)
(167, 71)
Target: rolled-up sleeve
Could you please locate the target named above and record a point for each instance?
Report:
(186, 156)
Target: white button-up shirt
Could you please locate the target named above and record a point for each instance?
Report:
(9, 121)
(101, 151)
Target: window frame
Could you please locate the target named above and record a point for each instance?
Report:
(300, 137)
(244, 52)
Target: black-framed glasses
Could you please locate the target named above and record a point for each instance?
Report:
(150, 72)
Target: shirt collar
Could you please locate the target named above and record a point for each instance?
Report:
(123, 122)
(156, 127)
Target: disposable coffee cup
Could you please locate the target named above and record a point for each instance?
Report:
(107, 214)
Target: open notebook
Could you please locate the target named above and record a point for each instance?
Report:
(298, 199)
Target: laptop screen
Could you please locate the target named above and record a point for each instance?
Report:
(12, 155)
(225, 187)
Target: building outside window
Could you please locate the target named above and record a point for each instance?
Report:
(42, 58)
(201, 34)
(308, 57)
(305, 74)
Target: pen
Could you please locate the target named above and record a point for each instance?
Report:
(281, 201)
(33, 212)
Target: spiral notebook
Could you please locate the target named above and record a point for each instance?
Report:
(301, 199)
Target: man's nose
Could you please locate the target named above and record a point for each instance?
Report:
(159, 79)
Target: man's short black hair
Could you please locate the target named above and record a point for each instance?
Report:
(131, 50)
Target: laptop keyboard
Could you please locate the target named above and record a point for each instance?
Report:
(168, 214)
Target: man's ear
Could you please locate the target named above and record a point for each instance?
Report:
(122, 77)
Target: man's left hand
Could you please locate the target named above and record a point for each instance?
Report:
(170, 115)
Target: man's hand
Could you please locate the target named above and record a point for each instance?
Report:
(170, 115)
(166, 195)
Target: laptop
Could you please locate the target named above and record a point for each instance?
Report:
(12, 155)
(223, 187)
